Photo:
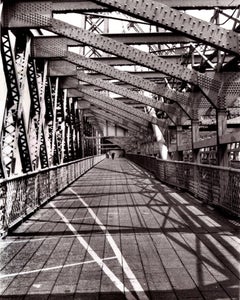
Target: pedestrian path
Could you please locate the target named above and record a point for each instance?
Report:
(117, 233)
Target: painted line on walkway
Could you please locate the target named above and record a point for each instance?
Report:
(127, 270)
(54, 268)
(93, 254)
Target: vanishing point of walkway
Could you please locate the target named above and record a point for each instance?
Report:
(117, 233)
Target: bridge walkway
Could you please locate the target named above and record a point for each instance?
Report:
(117, 233)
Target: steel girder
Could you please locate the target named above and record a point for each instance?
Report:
(118, 120)
(149, 38)
(14, 129)
(162, 15)
(185, 100)
(174, 58)
(86, 6)
(140, 116)
(97, 99)
(170, 109)
(103, 119)
(210, 86)
(72, 55)
(35, 111)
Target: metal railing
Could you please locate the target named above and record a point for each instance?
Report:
(212, 184)
(22, 195)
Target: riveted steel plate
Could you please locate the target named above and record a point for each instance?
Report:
(27, 14)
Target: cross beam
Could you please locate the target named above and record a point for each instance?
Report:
(164, 16)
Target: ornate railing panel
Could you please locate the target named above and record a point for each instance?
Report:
(211, 184)
(21, 195)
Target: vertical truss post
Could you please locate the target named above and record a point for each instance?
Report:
(76, 130)
(63, 127)
(82, 132)
(45, 116)
(69, 129)
(3, 96)
(33, 128)
(23, 138)
(13, 95)
(66, 131)
(54, 144)
(14, 135)
(72, 130)
(60, 118)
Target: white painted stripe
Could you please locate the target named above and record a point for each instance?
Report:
(53, 268)
(127, 270)
(94, 255)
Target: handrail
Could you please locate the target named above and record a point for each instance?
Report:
(216, 185)
(13, 177)
(22, 195)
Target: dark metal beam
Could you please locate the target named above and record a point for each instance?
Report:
(87, 6)
(185, 100)
(171, 19)
(149, 38)
(128, 110)
(171, 109)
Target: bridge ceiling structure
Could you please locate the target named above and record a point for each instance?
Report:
(71, 70)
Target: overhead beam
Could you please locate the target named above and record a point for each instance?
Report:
(172, 58)
(88, 6)
(170, 109)
(66, 68)
(60, 6)
(203, 4)
(209, 85)
(113, 109)
(181, 98)
(129, 110)
(120, 120)
(164, 16)
(149, 38)
(108, 104)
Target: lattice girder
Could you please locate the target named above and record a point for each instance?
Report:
(14, 133)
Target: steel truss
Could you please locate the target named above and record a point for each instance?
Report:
(54, 130)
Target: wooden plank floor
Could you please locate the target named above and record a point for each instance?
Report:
(117, 233)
